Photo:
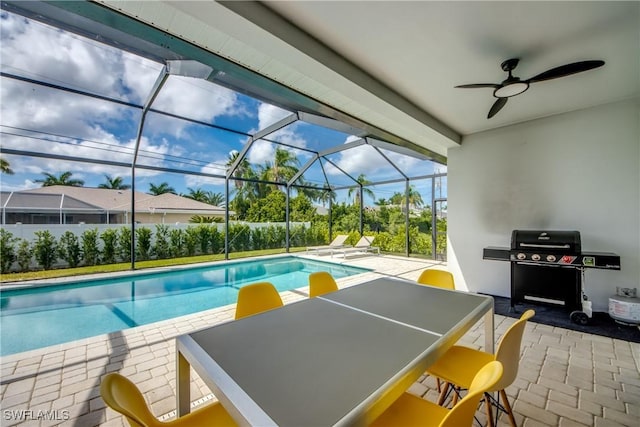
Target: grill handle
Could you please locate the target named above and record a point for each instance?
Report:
(535, 245)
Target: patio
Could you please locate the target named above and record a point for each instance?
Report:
(566, 378)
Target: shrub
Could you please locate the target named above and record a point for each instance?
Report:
(24, 255)
(90, 248)
(161, 245)
(277, 237)
(259, 238)
(354, 237)
(45, 249)
(124, 244)
(7, 250)
(143, 243)
(176, 237)
(110, 247)
(191, 239)
(217, 241)
(239, 237)
(204, 236)
(69, 249)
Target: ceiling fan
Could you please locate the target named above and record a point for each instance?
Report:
(513, 86)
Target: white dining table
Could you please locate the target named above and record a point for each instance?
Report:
(329, 360)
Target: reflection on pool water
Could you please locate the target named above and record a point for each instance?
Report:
(38, 317)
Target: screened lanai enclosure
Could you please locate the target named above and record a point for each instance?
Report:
(93, 99)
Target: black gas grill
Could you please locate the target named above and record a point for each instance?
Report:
(546, 266)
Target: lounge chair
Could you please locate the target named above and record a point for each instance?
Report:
(338, 242)
(362, 247)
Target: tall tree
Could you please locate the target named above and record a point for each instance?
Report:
(245, 191)
(196, 194)
(63, 179)
(362, 180)
(242, 171)
(284, 166)
(216, 199)
(209, 197)
(114, 183)
(5, 167)
(326, 196)
(163, 188)
(415, 198)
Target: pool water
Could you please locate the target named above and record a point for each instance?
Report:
(39, 317)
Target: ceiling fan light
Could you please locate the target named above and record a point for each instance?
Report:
(511, 89)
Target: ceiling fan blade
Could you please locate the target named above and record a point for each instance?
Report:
(566, 70)
(497, 106)
(477, 85)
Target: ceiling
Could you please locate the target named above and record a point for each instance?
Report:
(395, 64)
(423, 49)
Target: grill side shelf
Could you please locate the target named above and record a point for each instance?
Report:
(600, 260)
(496, 253)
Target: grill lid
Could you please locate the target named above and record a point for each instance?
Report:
(536, 240)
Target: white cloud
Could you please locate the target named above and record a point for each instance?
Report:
(67, 123)
(215, 167)
(263, 151)
(196, 99)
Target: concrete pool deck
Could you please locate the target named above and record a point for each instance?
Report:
(566, 378)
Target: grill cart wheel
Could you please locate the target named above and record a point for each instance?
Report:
(580, 317)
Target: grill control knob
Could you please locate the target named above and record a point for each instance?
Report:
(535, 257)
(521, 256)
(551, 258)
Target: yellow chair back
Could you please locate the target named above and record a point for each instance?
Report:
(439, 278)
(463, 412)
(320, 283)
(411, 410)
(256, 298)
(508, 352)
(123, 396)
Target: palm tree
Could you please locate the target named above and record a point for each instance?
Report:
(415, 198)
(5, 167)
(216, 199)
(163, 188)
(114, 183)
(244, 189)
(197, 194)
(326, 196)
(242, 171)
(397, 199)
(362, 180)
(284, 167)
(63, 179)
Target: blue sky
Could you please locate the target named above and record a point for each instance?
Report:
(35, 118)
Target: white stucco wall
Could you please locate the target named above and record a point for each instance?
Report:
(574, 171)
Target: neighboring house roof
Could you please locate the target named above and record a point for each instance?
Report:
(173, 203)
(44, 202)
(103, 199)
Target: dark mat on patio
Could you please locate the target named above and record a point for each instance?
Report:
(600, 324)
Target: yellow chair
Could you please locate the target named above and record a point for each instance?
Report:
(256, 298)
(123, 396)
(410, 410)
(321, 283)
(459, 364)
(439, 278)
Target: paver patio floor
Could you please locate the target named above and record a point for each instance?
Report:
(566, 378)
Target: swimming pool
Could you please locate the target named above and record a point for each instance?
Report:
(38, 317)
